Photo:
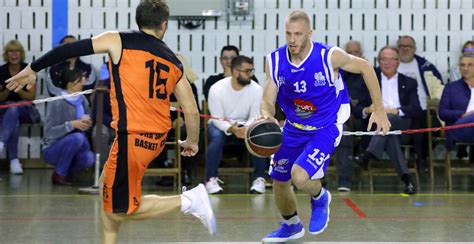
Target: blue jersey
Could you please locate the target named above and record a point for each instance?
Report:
(309, 93)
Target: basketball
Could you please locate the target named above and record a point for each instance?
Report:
(263, 138)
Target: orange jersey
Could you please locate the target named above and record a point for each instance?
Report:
(141, 84)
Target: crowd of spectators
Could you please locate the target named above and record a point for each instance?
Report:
(408, 83)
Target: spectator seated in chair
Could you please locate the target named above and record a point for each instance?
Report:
(400, 100)
(430, 86)
(65, 143)
(457, 103)
(14, 55)
(236, 98)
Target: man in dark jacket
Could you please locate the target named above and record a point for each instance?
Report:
(457, 103)
(400, 99)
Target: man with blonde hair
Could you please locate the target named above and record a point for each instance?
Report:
(303, 78)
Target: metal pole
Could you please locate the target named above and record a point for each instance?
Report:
(97, 169)
(99, 92)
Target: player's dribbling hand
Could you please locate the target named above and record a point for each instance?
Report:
(189, 149)
(26, 77)
(381, 120)
(264, 117)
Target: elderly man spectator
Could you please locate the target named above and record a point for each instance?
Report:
(455, 74)
(429, 86)
(457, 103)
(400, 100)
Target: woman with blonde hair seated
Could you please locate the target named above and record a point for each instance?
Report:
(14, 57)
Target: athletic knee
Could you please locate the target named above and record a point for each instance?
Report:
(112, 219)
(300, 182)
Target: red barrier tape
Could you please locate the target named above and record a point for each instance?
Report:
(443, 128)
(16, 104)
(207, 116)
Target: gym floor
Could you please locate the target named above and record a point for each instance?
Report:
(35, 211)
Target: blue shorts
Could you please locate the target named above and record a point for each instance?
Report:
(311, 150)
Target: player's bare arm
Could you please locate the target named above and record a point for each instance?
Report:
(184, 95)
(108, 42)
(340, 59)
(270, 90)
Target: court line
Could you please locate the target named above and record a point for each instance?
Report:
(252, 195)
(354, 208)
(244, 217)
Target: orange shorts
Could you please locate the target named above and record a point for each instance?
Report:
(123, 172)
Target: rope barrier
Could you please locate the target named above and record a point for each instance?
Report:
(49, 99)
(207, 116)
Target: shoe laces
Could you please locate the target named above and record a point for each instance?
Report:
(284, 228)
(215, 180)
(279, 230)
(260, 180)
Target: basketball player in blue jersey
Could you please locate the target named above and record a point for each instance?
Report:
(303, 78)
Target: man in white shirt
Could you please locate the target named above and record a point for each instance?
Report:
(425, 73)
(400, 100)
(237, 99)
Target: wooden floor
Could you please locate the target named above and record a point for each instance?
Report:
(34, 211)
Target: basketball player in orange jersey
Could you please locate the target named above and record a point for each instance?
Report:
(144, 73)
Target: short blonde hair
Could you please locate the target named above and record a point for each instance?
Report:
(13, 45)
(188, 72)
(298, 15)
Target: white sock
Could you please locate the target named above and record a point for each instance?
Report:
(293, 220)
(320, 194)
(185, 203)
(2, 145)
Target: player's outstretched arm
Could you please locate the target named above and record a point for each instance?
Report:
(270, 90)
(185, 97)
(107, 42)
(340, 59)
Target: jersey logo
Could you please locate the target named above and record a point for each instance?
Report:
(279, 166)
(297, 70)
(281, 80)
(319, 79)
(304, 109)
